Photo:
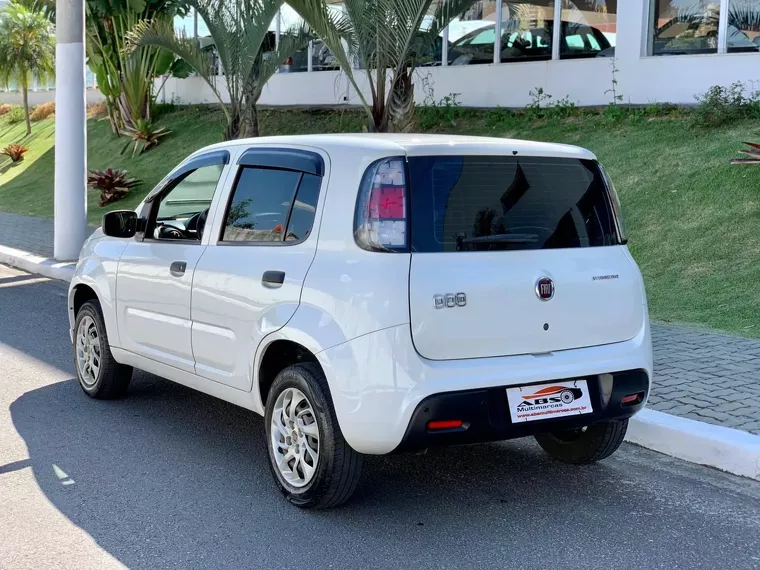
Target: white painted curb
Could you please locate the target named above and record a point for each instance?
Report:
(724, 448)
(63, 270)
(727, 449)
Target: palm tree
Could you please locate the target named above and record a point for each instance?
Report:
(388, 39)
(239, 30)
(27, 49)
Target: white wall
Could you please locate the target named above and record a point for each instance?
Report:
(37, 97)
(641, 79)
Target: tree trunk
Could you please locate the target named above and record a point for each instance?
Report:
(402, 102)
(113, 118)
(24, 90)
(233, 128)
(250, 120)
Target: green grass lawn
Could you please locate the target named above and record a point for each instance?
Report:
(692, 218)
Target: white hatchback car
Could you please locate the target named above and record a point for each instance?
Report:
(376, 293)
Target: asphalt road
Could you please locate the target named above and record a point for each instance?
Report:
(171, 478)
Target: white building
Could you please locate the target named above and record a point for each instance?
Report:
(663, 50)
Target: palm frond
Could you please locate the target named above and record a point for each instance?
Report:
(291, 41)
(334, 27)
(158, 33)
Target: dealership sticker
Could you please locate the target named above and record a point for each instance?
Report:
(545, 401)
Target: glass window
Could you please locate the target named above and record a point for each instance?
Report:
(526, 30)
(180, 210)
(683, 27)
(424, 50)
(304, 208)
(743, 25)
(482, 203)
(589, 28)
(472, 36)
(270, 205)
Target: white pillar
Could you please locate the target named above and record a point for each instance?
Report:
(277, 24)
(445, 47)
(497, 38)
(70, 131)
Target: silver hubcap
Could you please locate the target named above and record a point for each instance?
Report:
(295, 437)
(88, 351)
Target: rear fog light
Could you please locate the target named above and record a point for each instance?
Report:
(632, 399)
(444, 424)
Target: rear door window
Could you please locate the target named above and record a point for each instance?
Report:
(483, 203)
(271, 205)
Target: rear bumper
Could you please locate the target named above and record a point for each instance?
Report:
(485, 414)
(378, 382)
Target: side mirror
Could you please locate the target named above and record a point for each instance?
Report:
(120, 224)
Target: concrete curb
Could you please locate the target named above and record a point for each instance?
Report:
(727, 449)
(63, 270)
(724, 448)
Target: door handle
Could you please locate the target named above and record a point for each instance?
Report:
(273, 279)
(177, 268)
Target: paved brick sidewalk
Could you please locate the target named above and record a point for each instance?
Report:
(34, 235)
(707, 376)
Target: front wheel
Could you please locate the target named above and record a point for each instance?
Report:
(99, 375)
(584, 445)
(311, 462)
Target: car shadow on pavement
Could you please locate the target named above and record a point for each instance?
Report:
(171, 477)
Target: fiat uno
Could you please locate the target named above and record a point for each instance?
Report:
(370, 294)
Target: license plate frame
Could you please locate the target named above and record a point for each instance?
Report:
(549, 400)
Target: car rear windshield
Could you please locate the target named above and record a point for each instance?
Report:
(497, 203)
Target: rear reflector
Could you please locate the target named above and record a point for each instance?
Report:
(444, 424)
(632, 398)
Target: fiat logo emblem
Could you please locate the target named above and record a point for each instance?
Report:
(545, 288)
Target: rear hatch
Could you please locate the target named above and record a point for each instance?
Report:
(516, 255)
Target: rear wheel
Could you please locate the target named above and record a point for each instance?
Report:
(99, 375)
(584, 445)
(311, 462)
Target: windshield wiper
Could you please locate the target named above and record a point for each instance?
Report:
(503, 238)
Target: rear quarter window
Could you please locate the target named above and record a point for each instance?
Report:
(483, 203)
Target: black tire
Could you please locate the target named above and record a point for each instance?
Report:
(112, 378)
(580, 447)
(338, 467)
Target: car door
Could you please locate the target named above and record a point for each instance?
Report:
(248, 281)
(155, 273)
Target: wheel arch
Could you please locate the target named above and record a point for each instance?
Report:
(308, 332)
(81, 293)
(275, 356)
(95, 278)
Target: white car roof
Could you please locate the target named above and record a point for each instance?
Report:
(419, 145)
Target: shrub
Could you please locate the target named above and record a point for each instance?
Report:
(541, 106)
(5, 108)
(15, 152)
(443, 112)
(722, 105)
(15, 115)
(161, 109)
(43, 111)
(112, 183)
(97, 110)
(144, 136)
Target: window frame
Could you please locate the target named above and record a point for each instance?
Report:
(153, 200)
(287, 159)
(722, 47)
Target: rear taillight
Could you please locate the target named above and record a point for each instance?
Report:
(381, 210)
